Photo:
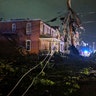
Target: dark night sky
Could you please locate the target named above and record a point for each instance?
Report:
(48, 9)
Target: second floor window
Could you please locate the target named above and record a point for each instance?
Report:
(13, 27)
(28, 28)
(44, 29)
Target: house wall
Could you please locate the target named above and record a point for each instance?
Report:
(17, 38)
(19, 35)
(49, 38)
(6, 47)
(44, 45)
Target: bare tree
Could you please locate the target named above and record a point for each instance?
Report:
(70, 23)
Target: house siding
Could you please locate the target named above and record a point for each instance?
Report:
(19, 36)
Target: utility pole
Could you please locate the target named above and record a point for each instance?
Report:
(93, 47)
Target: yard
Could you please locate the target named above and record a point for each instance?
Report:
(67, 77)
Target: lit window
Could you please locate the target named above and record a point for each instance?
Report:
(48, 30)
(28, 28)
(45, 29)
(13, 27)
(28, 45)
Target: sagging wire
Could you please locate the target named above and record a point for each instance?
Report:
(38, 74)
(87, 22)
(26, 74)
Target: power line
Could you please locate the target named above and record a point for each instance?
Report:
(29, 72)
(87, 22)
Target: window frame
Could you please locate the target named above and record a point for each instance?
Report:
(13, 27)
(28, 46)
(28, 28)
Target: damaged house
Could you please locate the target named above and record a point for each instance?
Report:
(27, 36)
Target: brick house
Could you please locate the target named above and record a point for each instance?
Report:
(27, 35)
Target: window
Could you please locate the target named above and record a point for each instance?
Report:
(28, 45)
(41, 28)
(13, 27)
(62, 47)
(45, 29)
(48, 30)
(28, 28)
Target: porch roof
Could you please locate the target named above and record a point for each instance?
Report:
(50, 39)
